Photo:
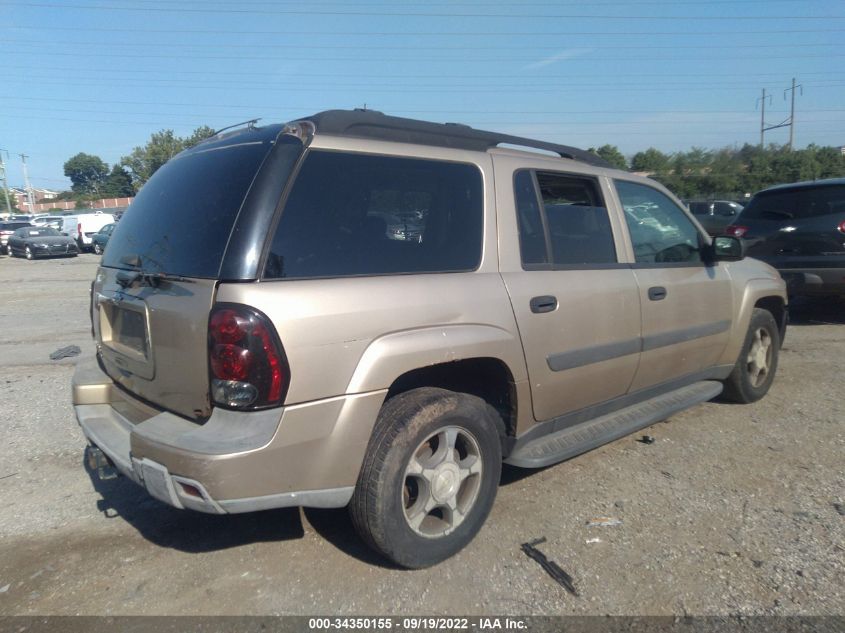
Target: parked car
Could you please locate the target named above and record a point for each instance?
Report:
(33, 241)
(82, 227)
(6, 231)
(21, 217)
(53, 221)
(101, 238)
(715, 215)
(799, 229)
(261, 343)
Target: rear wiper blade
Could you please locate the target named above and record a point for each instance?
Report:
(127, 279)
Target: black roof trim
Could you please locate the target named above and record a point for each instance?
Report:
(377, 125)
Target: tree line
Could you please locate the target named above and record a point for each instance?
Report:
(92, 178)
(730, 172)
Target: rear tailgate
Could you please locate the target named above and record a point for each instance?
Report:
(152, 340)
(154, 292)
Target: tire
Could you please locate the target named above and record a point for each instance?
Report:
(410, 480)
(9, 251)
(97, 249)
(755, 368)
(81, 245)
(28, 253)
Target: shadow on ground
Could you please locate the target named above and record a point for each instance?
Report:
(816, 311)
(187, 530)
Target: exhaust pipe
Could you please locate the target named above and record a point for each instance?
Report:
(99, 461)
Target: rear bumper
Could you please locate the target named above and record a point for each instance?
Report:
(814, 281)
(301, 455)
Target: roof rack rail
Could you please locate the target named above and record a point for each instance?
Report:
(376, 125)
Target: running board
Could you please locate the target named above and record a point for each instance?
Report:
(580, 438)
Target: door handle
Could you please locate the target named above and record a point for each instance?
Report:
(656, 293)
(546, 303)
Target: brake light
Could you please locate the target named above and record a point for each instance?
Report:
(79, 228)
(841, 227)
(736, 231)
(247, 365)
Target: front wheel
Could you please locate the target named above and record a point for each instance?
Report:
(28, 253)
(430, 476)
(98, 250)
(755, 369)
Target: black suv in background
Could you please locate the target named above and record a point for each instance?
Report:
(800, 230)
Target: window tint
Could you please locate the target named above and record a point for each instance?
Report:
(532, 237)
(700, 208)
(180, 221)
(805, 202)
(355, 214)
(660, 231)
(578, 223)
(726, 208)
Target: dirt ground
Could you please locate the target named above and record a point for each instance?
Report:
(732, 510)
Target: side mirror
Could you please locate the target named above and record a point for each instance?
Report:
(727, 249)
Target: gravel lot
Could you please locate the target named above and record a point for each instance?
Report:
(734, 509)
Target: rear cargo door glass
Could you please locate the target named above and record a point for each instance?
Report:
(357, 214)
(180, 221)
(796, 204)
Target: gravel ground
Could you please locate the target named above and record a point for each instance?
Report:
(733, 509)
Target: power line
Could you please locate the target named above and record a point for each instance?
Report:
(511, 16)
(314, 107)
(358, 33)
(218, 45)
(450, 60)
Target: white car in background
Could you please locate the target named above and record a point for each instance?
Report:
(82, 227)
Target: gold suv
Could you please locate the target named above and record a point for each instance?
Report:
(359, 310)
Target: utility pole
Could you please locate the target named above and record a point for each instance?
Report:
(5, 183)
(787, 122)
(762, 102)
(29, 195)
(792, 110)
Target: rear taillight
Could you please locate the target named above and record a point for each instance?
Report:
(736, 231)
(247, 364)
(841, 227)
(79, 229)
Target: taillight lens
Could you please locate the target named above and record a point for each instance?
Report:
(736, 231)
(247, 364)
(841, 227)
(79, 229)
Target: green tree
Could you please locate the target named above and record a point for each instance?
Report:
(13, 202)
(87, 173)
(200, 134)
(119, 183)
(651, 160)
(612, 155)
(163, 145)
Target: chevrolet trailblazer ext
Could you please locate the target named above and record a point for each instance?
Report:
(359, 310)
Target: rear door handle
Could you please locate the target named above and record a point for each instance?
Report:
(546, 303)
(656, 293)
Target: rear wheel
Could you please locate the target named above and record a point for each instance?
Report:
(9, 251)
(98, 249)
(755, 369)
(429, 477)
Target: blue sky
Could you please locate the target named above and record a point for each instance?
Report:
(100, 77)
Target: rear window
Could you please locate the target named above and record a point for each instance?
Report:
(355, 214)
(180, 221)
(796, 204)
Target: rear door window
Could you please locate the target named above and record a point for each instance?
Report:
(573, 226)
(357, 214)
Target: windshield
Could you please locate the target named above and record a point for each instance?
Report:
(39, 232)
(798, 203)
(180, 221)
